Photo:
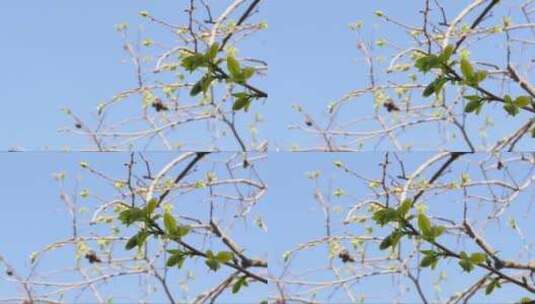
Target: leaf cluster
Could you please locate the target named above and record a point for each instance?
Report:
(213, 71)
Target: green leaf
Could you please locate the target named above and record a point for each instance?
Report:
(211, 54)
(478, 257)
(234, 67)
(473, 97)
(508, 99)
(385, 216)
(404, 208)
(435, 86)
(428, 62)
(193, 62)
(197, 88)
(431, 258)
(181, 231)
(169, 222)
(425, 226)
(241, 95)
(213, 264)
(437, 231)
(241, 102)
(474, 105)
(465, 262)
(392, 240)
(176, 259)
(446, 54)
(523, 101)
(137, 240)
(132, 242)
(202, 85)
(224, 256)
(480, 76)
(174, 251)
(242, 281)
(511, 108)
(428, 252)
(466, 265)
(131, 215)
(495, 283)
(151, 206)
(429, 261)
(247, 73)
(467, 69)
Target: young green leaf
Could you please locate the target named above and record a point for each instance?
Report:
(211, 261)
(404, 208)
(479, 77)
(224, 256)
(241, 102)
(391, 240)
(176, 259)
(435, 87)
(511, 108)
(467, 69)
(241, 282)
(466, 265)
(429, 261)
(169, 222)
(193, 62)
(465, 262)
(247, 73)
(523, 101)
(202, 85)
(428, 62)
(478, 257)
(196, 89)
(137, 240)
(151, 206)
(384, 216)
(425, 225)
(233, 67)
(475, 104)
(437, 231)
(211, 54)
(431, 258)
(495, 283)
(212, 264)
(131, 215)
(181, 231)
(446, 54)
(132, 242)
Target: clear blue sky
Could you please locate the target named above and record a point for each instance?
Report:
(66, 54)
(33, 215)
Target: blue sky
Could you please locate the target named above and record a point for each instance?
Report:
(66, 54)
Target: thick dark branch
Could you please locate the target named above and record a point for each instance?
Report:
(240, 21)
(478, 20)
(182, 174)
